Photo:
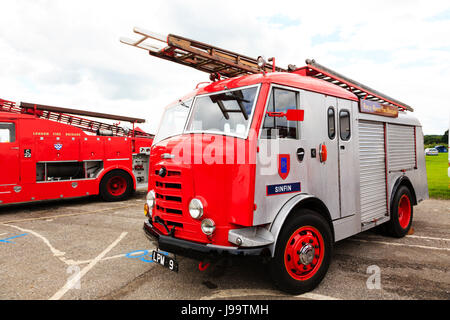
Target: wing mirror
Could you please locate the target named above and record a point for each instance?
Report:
(291, 115)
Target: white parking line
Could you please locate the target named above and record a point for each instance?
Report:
(59, 254)
(428, 238)
(56, 253)
(77, 278)
(400, 244)
(315, 296)
(236, 293)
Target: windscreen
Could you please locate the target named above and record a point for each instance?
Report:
(173, 121)
(227, 112)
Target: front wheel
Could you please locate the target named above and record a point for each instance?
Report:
(116, 186)
(303, 253)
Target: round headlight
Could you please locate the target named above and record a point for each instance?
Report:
(151, 199)
(208, 227)
(196, 208)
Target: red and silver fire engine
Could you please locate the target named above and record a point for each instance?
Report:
(49, 152)
(277, 162)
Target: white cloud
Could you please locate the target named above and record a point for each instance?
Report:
(67, 53)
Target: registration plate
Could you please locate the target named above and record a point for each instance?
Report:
(165, 260)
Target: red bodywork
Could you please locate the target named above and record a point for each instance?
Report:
(38, 141)
(227, 190)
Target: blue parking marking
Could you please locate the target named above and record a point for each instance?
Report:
(7, 240)
(135, 255)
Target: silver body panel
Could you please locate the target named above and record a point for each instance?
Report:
(352, 182)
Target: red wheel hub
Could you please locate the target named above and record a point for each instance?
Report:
(304, 253)
(404, 211)
(116, 186)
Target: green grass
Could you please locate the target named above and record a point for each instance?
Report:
(438, 180)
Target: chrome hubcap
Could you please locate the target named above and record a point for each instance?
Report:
(306, 254)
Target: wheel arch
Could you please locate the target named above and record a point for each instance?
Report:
(303, 201)
(402, 181)
(118, 168)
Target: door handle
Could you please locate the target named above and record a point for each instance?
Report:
(300, 154)
(14, 148)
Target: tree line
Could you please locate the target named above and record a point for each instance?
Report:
(436, 139)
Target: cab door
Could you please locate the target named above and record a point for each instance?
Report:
(9, 153)
(278, 168)
(348, 159)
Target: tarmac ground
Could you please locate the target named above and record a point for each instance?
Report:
(89, 249)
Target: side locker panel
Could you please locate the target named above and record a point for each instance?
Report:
(372, 171)
(117, 148)
(51, 148)
(92, 148)
(402, 147)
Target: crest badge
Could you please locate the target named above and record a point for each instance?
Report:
(284, 165)
(58, 146)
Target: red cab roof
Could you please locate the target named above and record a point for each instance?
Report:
(283, 78)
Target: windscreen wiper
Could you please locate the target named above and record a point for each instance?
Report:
(183, 104)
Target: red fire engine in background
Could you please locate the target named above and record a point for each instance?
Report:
(50, 153)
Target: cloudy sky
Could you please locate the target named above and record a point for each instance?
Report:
(67, 53)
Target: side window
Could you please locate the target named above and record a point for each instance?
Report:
(281, 100)
(331, 123)
(344, 125)
(7, 132)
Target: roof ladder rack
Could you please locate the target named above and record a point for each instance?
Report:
(318, 71)
(228, 64)
(198, 55)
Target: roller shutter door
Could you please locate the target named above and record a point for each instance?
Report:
(372, 171)
(402, 148)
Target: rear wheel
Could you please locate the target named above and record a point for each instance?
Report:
(303, 253)
(116, 186)
(401, 213)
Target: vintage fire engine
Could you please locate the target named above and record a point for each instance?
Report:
(48, 152)
(277, 162)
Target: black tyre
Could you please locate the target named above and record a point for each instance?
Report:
(116, 185)
(303, 253)
(401, 213)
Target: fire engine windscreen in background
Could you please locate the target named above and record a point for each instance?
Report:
(173, 121)
(227, 112)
